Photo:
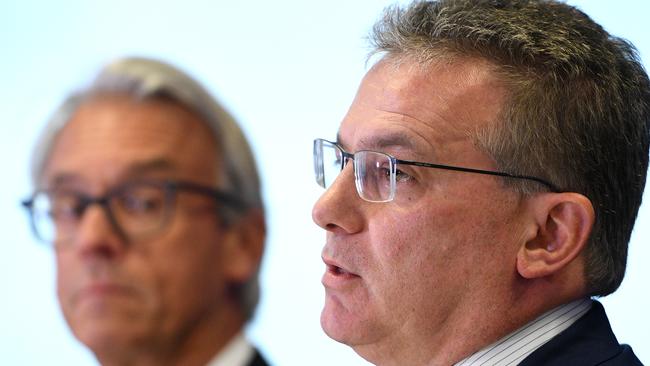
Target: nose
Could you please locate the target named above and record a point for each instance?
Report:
(97, 234)
(339, 209)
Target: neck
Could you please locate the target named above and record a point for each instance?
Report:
(197, 345)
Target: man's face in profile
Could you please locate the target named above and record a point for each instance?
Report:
(445, 239)
(118, 292)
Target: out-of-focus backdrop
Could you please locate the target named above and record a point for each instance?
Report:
(287, 70)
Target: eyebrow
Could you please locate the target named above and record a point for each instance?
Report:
(394, 139)
(62, 179)
(149, 166)
(134, 170)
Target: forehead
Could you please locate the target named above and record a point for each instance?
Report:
(413, 105)
(112, 135)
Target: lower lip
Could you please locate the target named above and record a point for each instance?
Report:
(336, 280)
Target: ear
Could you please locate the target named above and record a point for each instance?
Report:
(559, 231)
(243, 246)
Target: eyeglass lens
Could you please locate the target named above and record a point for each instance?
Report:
(135, 210)
(374, 171)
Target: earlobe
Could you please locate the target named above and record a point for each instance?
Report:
(243, 246)
(563, 222)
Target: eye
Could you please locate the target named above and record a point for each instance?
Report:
(140, 200)
(63, 206)
(401, 176)
(139, 204)
(383, 171)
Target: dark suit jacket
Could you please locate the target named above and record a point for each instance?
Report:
(258, 360)
(589, 342)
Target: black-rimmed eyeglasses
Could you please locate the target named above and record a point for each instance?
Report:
(135, 209)
(376, 173)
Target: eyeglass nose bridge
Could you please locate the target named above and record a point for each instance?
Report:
(104, 203)
(347, 157)
(354, 159)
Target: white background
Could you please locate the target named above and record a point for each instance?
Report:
(287, 70)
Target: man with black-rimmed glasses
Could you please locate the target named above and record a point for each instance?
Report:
(149, 194)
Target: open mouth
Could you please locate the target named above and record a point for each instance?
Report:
(338, 271)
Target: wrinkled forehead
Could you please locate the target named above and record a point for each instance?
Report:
(121, 133)
(69, 108)
(405, 103)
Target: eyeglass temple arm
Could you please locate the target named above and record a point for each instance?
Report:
(551, 186)
(226, 197)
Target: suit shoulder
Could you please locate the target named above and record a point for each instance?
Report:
(625, 357)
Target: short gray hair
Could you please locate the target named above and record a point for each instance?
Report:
(143, 78)
(578, 112)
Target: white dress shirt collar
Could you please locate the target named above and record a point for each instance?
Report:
(238, 352)
(513, 348)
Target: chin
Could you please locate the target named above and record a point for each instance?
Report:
(103, 338)
(355, 332)
(342, 324)
(108, 328)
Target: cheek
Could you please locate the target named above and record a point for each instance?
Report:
(188, 272)
(66, 280)
(401, 250)
(426, 240)
(405, 235)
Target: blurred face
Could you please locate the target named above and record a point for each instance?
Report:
(119, 294)
(403, 273)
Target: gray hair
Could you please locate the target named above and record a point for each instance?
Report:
(577, 113)
(142, 78)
